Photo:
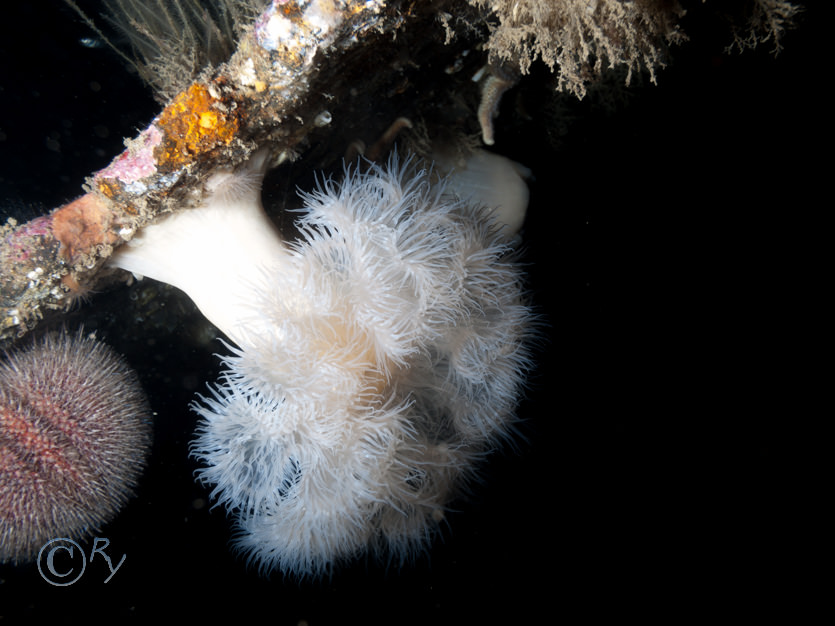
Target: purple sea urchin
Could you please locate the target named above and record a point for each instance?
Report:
(74, 434)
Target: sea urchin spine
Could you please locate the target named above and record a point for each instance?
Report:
(75, 429)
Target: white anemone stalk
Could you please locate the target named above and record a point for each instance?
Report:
(378, 358)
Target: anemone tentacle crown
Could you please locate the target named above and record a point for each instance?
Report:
(379, 357)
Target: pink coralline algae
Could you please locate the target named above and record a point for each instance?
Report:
(137, 161)
(20, 241)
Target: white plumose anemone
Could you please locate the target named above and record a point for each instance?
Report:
(379, 356)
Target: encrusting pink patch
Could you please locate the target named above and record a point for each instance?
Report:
(137, 161)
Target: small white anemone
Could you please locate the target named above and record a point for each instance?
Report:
(378, 358)
(490, 180)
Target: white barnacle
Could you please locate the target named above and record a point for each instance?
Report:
(276, 31)
(247, 76)
(323, 119)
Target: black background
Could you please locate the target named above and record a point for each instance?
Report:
(657, 476)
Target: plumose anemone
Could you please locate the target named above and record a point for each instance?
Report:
(379, 356)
